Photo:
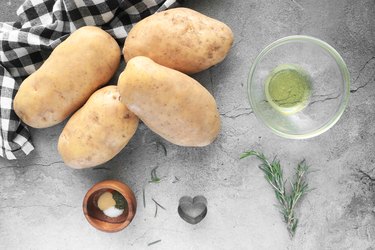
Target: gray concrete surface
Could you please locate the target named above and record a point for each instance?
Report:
(40, 198)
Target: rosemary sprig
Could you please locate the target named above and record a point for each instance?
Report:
(274, 175)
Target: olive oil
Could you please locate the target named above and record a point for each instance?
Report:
(288, 88)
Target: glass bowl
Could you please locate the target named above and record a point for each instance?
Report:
(329, 86)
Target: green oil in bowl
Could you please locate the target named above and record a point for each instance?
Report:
(288, 88)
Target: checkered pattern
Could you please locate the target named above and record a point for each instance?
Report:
(41, 26)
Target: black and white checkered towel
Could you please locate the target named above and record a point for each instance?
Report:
(41, 26)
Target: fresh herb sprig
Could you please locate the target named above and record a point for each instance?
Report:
(274, 175)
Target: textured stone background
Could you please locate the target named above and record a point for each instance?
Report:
(40, 198)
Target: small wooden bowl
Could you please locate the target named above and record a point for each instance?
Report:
(96, 217)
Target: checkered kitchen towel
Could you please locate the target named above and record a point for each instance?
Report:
(41, 26)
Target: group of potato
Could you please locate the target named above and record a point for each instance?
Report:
(159, 50)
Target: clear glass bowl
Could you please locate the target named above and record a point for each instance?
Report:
(329, 83)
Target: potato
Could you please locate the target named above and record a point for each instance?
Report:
(98, 131)
(170, 103)
(181, 39)
(76, 68)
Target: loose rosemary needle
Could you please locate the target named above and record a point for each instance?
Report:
(154, 242)
(274, 175)
(156, 207)
(158, 204)
(163, 147)
(154, 177)
(144, 197)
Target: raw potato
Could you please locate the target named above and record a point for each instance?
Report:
(98, 131)
(76, 68)
(181, 39)
(170, 103)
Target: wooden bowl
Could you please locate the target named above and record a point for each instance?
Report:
(96, 217)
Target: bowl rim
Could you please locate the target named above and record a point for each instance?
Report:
(343, 69)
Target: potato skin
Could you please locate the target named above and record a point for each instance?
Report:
(170, 103)
(98, 131)
(181, 39)
(77, 67)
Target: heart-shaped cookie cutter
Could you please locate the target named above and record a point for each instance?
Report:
(192, 210)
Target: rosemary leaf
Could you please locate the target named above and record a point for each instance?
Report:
(156, 210)
(158, 204)
(154, 242)
(154, 177)
(144, 197)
